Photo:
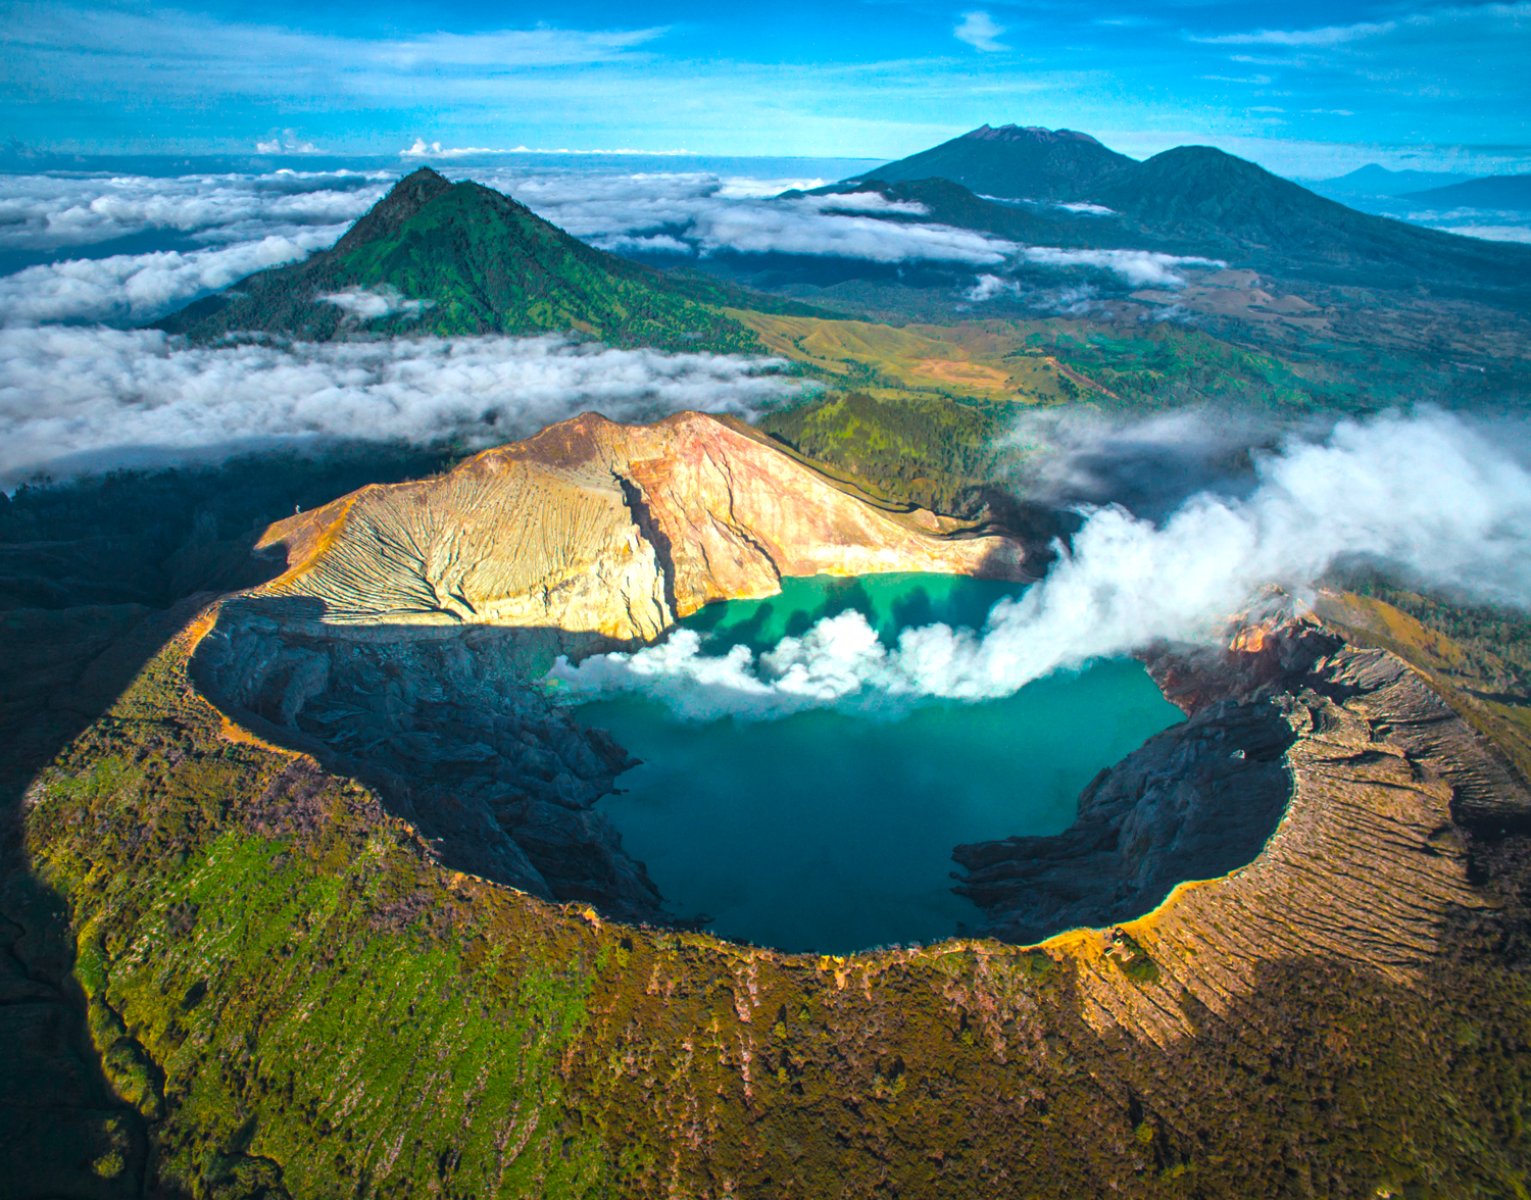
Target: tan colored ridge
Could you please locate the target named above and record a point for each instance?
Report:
(616, 530)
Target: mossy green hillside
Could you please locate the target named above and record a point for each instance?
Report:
(460, 259)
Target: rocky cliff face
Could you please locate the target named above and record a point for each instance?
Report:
(609, 531)
(442, 723)
(1310, 772)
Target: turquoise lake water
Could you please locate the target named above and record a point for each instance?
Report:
(832, 832)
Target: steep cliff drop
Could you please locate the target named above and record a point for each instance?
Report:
(1306, 764)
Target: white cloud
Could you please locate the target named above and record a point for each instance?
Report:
(868, 202)
(1440, 499)
(1327, 35)
(1138, 268)
(644, 243)
(989, 287)
(132, 288)
(135, 288)
(169, 53)
(286, 142)
(1078, 207)
(702, 213)
(74, 400)
(53, 211)
(435, 150)
(256, 221)
(1085, 208)
(1494, 233)
(804, 227)
(979, 30)
(366, 304)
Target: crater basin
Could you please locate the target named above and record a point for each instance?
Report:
(831, 831)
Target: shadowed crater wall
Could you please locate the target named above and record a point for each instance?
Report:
(442, 723)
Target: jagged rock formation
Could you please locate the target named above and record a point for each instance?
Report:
(1375, 783)
(609, 531)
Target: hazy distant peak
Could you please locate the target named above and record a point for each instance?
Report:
(1027, 133)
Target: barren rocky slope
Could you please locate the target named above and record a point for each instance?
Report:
(595, 528)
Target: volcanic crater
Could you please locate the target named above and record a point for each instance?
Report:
(402, 642)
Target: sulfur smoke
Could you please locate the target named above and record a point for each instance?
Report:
(1442, 500)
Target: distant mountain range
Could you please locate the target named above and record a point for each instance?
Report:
(434, 257)
(1192, 200)
(1375, 181)
(1013, 162)
(1497, 191)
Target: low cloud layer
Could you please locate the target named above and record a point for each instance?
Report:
(1443, 501)
(369, 304)
(218, 228)
(696, 213)
(135, 288)
(1137, 268)
(78, 400)
(62, 211)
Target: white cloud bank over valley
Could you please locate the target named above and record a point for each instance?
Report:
(77, 400)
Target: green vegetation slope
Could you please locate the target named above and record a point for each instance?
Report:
(435, 257)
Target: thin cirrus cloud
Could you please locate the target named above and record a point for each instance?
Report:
(229, 58)
(110, 77)
(1490, 26)
(1326, 35)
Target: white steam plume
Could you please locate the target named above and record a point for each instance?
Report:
(78, 400)
(1445, 501)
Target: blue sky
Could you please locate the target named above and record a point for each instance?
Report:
(1303, 87)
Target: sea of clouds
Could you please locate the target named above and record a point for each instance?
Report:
(75, 400)
(1441, 499)
(216, 229)
(87, 258)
